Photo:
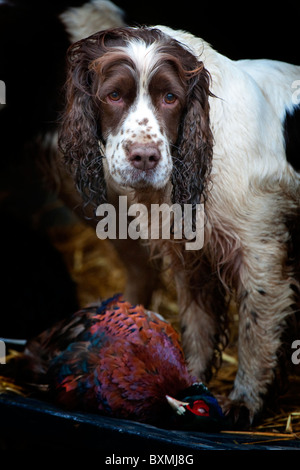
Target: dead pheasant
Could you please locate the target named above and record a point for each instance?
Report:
(122, 361)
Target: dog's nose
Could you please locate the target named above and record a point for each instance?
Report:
(144, 157)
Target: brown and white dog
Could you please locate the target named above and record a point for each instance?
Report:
(159, 115)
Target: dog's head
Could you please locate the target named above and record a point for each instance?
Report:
(139, 99)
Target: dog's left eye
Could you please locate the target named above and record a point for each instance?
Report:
(170, 98)
(114, 96)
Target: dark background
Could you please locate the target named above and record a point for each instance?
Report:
(239, 30)
(249, 29)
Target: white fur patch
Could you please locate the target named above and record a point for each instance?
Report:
(93, 16)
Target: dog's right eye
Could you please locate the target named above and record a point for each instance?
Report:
(114, 96)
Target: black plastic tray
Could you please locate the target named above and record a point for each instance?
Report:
(28, 423)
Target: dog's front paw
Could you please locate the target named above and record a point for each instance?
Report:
(237, 413)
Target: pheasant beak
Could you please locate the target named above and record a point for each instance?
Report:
(178, 406)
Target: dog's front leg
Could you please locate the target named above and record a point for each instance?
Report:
(266, 299)
(142, 275)
(202, 309)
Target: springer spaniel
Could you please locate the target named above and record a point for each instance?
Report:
(159, 115)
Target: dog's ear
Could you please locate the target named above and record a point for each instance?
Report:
(80, 133)
(193, 162)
